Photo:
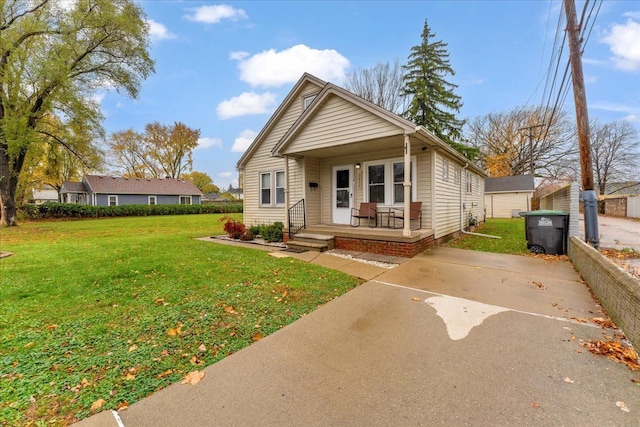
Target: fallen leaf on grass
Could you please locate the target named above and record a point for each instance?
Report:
(622, 406)
(97, 404)
(615, 351)
(29, 344)
(229, 309)
(51, 327)
(256, 337)
(175, 331)
(202, 348)
(165, 374)
(130, 377)
(193, 378)
(133, 348)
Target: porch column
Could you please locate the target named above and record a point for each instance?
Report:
(407, 186)
(286, 193)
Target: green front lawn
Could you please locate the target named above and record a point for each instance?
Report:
(511, 231)
(105, 312)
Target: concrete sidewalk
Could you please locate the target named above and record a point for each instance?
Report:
(450, 337)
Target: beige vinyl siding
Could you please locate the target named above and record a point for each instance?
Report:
(338, 122)
(261, 161)
(423, 172)
(501, 205)
(476, 197)
(447, 209)
(313, 196)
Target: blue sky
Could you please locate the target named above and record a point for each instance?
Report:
(224, 68)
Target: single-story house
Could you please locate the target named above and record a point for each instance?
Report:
(325, 151)
(98, 190)
(214, 198)
(507, 196)
(43, 194)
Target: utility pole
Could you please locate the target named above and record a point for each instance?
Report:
(532, 168)
(580, 99)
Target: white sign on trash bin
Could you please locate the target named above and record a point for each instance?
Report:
(545, 222)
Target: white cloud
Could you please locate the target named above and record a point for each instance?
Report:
(632, 112)
(245, 104)
(208, 143)
(238, 55)
(216, 13)
(590, 79)
(243, 142)
(624, 43)
(635, 15)
(272, 69)
(158, 31)
(225, 174)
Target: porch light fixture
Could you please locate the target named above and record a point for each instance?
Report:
(358, 165)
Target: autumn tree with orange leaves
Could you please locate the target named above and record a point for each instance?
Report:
(509, 143)
(161, 151)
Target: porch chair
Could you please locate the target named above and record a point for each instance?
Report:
(368, 211)
(415, 214)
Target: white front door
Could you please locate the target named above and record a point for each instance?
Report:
(342, 197)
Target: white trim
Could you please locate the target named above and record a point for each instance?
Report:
(180, 200)
(109, 199)
(307, 100)
(155, 200)
(389, 183)
(273, 199)
(445, 169)
(275, 187)
(341, 215)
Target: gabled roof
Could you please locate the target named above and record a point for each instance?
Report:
(509, 184)
(155, 186)
(404, 125)
(73, 187)
(291, 97)
(329, 90)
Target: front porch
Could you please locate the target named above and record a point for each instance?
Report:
(383, 241)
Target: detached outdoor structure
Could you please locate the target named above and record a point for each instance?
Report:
(326, 151)
(507, 196)
(97, 190)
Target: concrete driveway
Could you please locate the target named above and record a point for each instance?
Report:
(450, 337)
(617, 233)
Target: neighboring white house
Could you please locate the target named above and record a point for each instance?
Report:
(334, 150)
(44, 194)
(507, 196)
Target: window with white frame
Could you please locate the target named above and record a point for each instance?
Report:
(385, 181)
(279, 187)
(153, 200)
(445, 170)
(265, 188)
(376, 176)
(185, 200)
(456, 174)
(307, 101)
(477, 184)
(113, 200)
(468, 182)
(272, 185)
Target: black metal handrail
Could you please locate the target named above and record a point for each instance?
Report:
(297, 218)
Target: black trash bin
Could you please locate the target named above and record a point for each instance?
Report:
(546, 231)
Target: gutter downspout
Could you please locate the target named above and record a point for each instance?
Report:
(462, 209)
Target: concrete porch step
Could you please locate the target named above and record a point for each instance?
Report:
(311, 242)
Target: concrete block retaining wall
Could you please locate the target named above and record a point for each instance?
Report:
(617, 290)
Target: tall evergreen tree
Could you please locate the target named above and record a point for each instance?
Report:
(432, 102)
